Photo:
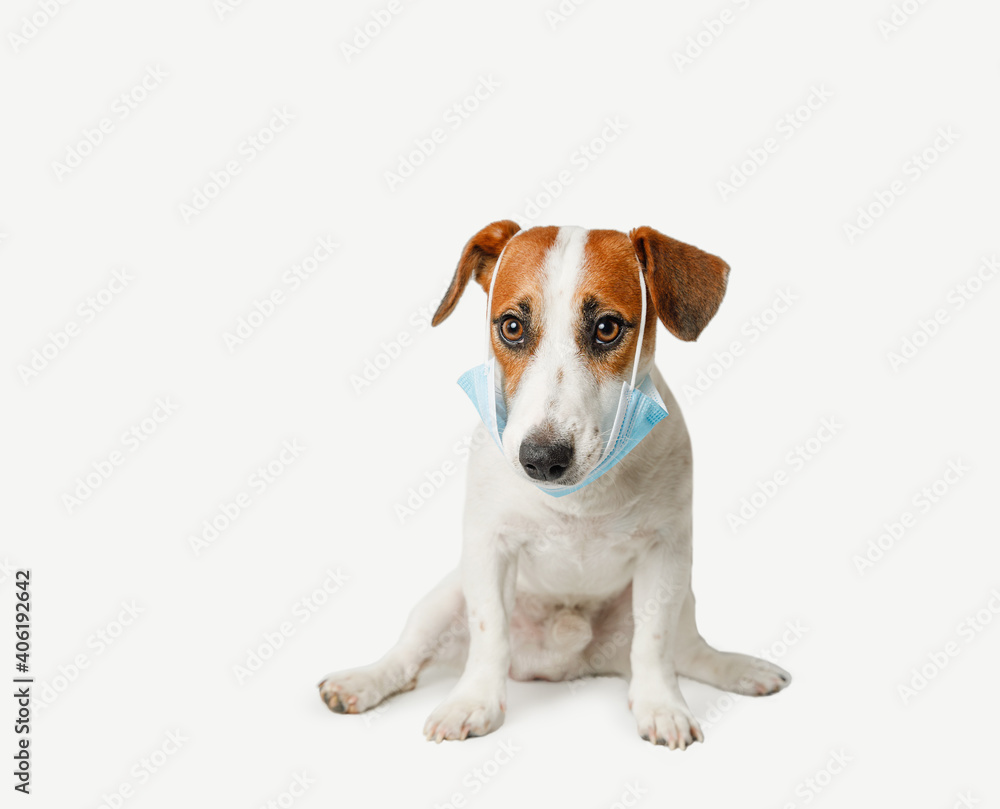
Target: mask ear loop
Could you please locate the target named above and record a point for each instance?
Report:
(492, 392)
(489, 300)
(628, 389)
(642, 319)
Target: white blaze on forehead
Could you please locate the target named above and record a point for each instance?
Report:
(541, 399)
(563, 273)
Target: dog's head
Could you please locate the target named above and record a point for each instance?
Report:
(565, 326)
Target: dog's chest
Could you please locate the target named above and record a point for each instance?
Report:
(584, 558)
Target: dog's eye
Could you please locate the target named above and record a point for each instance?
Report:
(607, 330)
(511, 329)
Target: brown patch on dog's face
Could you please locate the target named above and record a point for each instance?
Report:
(518, 307)
(609, 299)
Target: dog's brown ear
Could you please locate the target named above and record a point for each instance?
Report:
(478, 259)
(686, 284)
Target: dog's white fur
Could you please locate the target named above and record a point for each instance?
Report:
(548, 586)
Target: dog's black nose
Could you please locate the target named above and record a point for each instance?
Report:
(545, 461)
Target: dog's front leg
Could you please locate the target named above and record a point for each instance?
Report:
(477, 703)
(660, 585)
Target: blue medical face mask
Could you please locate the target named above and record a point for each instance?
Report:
(639, 408)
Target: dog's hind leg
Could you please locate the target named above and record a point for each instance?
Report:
(729, 671)
(435, 631)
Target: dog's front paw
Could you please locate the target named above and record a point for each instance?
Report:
(357, 690)
(666, 723)
(759, 678)
(463, 715)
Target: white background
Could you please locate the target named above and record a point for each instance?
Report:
(860, 633)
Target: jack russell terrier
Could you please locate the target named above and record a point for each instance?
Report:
(576, 559)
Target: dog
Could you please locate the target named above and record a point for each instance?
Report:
(596, 582)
